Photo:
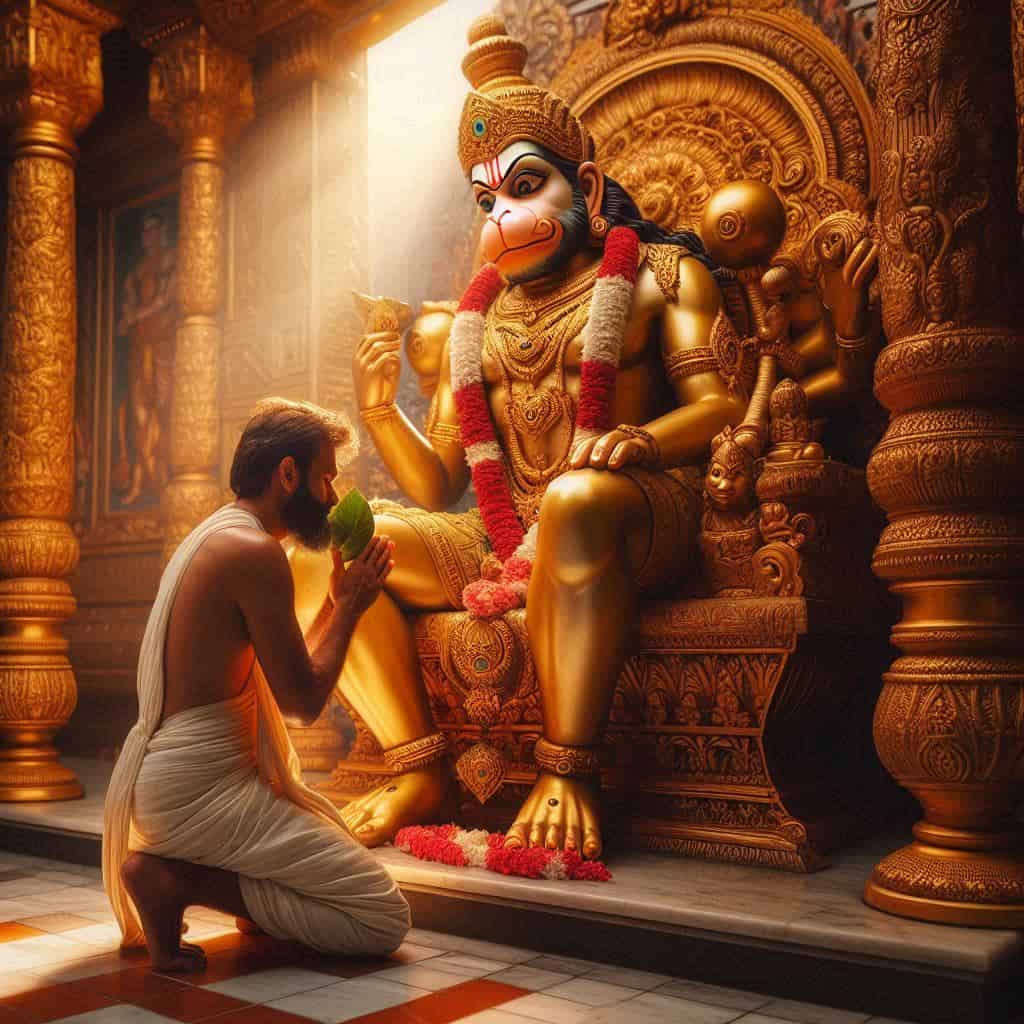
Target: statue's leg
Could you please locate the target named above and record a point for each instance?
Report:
(594, 535)
(381, 679)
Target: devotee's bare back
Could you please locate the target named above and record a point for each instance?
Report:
(209, 654)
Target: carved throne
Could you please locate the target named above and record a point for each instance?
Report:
(740, 729)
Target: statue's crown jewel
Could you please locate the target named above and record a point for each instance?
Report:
(506, 107)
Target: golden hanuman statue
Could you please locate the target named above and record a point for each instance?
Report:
(581, 386)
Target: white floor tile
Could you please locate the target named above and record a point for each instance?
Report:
(76, 970)
(811, 1013)
(107, 936)
(591, 993)
(550, 1010)
(648, 1009)
(27, 887)
(436, 940)
(61, 876)
(423, 975)
(349, 999)
(494, 951)
(532, 978)
(564, 964)
(121, 1013)
(716, 995)
(41, 950)
(263, 986)
(73, 898)
(628, 977)
(467, 966)
(493, 1016)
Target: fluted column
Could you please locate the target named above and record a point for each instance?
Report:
(950, 470)
(50, 89)
(201, 93)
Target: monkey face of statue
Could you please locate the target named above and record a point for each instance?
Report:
(729, 485)
(536, 217)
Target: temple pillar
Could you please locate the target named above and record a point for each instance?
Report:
(51, 87)
(949, 724)
(201, 93)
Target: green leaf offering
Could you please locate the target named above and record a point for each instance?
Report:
(351, 522)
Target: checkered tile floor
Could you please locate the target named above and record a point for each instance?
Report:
(59, 961)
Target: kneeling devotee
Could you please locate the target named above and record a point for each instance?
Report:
(206, 805)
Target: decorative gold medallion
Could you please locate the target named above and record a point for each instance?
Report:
(482, 770)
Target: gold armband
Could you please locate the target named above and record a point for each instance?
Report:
(853, 343)
(378, 413)
(416, 753)
(639, 434)
(561, 760)
(445, 433)
(688, 362)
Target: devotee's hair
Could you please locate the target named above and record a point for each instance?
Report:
(279, 427)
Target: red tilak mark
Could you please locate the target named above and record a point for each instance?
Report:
(493, 169)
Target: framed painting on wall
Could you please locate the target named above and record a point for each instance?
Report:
(140, 272)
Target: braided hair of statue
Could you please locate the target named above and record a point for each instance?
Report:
(619, 208)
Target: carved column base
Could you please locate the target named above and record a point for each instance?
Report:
(984, 888)
(37, 685)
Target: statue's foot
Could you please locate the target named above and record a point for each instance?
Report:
(412, 798)
(560, 813)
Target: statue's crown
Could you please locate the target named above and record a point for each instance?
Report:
(506, 107)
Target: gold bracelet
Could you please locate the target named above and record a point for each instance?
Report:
(377, 413)
(639, 434)
(852, 343)
(418, 753)
(562, 760)
(445, 433)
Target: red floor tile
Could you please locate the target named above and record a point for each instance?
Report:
(11, 931)
(56, 1001)
(446, 1006)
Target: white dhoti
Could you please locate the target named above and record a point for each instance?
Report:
(220, 785)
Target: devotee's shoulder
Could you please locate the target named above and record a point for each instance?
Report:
(250, 556)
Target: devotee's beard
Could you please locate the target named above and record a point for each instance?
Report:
(306, 519)
(575, 231)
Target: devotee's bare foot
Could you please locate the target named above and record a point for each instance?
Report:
(561, 814)
(412, 798)
(157, 887)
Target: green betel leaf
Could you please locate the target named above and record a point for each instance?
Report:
(351, 522)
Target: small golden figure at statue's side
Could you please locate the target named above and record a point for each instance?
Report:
(790, 429)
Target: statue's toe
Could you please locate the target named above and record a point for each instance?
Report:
(591, 844)
(515, 838)
(554, 837)
(536, 835)
(572, 838)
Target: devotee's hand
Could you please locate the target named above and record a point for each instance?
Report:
(376, 367)
(358, 585)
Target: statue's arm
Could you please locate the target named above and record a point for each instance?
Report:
(431, 470)
(704, 403)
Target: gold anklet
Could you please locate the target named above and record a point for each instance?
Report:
(417, 753)
(562, 760)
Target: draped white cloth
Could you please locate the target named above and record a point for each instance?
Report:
(220, 785)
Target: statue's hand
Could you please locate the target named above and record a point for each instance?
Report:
(376, 367)
(614, 450)
(844, 289)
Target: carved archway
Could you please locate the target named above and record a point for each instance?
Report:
(682, 109)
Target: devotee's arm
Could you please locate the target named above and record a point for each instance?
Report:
(431, 470)
(300, 679)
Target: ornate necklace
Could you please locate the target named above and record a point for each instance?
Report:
(602, 348)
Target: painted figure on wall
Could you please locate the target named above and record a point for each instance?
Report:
(143, 351)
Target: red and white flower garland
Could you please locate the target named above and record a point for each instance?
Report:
(449, 844)
(602, 349)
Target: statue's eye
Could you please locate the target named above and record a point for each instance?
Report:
(526, 184)
(486, 202)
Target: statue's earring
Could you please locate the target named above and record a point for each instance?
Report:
(598, 226)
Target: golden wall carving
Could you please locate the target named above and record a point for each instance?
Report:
(50, 88)
(949, 724)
